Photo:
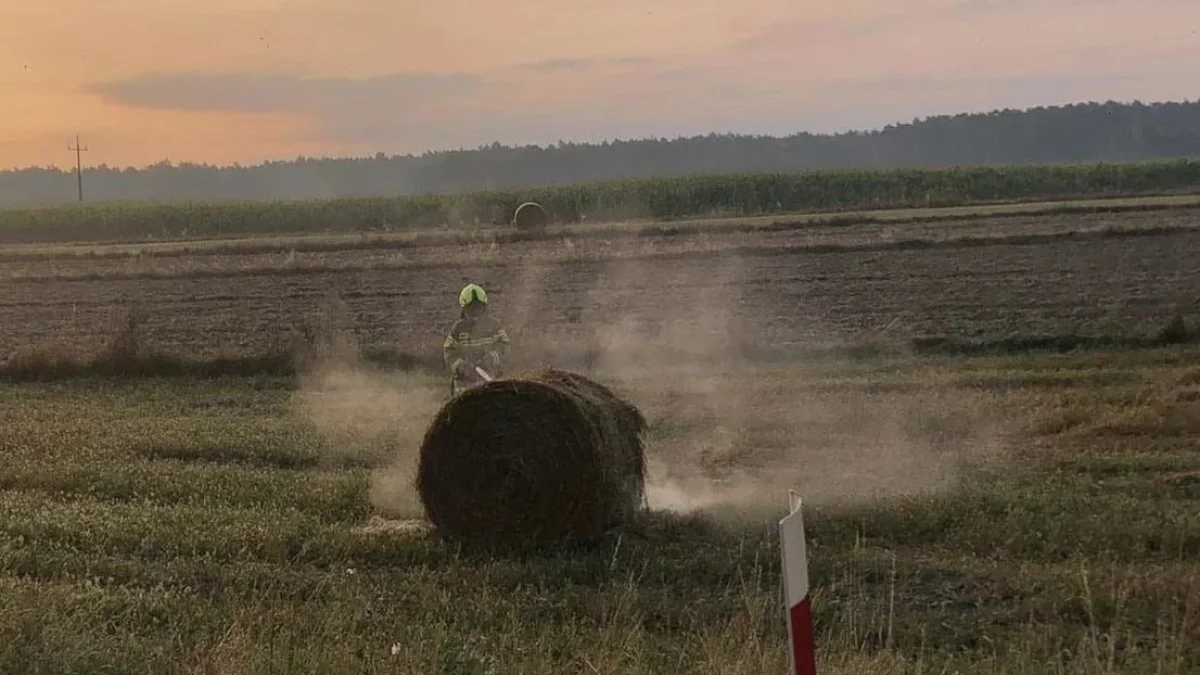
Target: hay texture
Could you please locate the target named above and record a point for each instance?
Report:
(530, 215)
(547, 458)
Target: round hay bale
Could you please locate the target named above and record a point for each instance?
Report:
(530, 215)
(547, 458)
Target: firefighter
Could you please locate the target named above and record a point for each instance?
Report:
(476, 340)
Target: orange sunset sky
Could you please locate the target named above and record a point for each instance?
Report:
(224, 81)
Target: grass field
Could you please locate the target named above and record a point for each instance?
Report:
(1021, 511)
(1013, 515)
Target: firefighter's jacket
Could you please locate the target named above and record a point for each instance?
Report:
(479, 341)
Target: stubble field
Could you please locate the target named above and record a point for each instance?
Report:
(1012, 512)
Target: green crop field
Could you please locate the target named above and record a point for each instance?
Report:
(658, 199)
(992, 412)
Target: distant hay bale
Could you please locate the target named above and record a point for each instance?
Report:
(530, 215)
(548, 458)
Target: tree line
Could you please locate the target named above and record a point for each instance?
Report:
(1084, 132)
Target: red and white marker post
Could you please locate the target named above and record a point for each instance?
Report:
(801, 643)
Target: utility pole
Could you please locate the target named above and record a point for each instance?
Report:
(78, 149)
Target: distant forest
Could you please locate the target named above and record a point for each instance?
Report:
(1086, 132)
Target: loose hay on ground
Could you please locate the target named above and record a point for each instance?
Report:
(378, 525)
(546, 458)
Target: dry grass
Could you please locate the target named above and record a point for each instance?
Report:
(201, 527)
(125, 353)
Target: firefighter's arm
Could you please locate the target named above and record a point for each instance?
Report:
(500, 344)
(452, 354)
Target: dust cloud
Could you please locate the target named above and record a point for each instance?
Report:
(375, 417)
(371, 417)
(732, 432)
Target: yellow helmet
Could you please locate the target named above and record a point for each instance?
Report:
(471, 293)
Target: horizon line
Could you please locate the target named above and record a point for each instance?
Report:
(608, 141)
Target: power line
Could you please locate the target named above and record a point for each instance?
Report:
(78, 150)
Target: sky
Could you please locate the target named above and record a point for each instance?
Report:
(243, 81)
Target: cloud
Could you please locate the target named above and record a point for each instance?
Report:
(864, 68)
(802, 33)
(266, 93)
(596, 101)
(259, 92)
(556, 65)
(402, 111)
(581, 64)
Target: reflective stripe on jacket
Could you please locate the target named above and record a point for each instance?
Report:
(472, 339)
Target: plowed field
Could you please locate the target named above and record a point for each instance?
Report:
(780, 286)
